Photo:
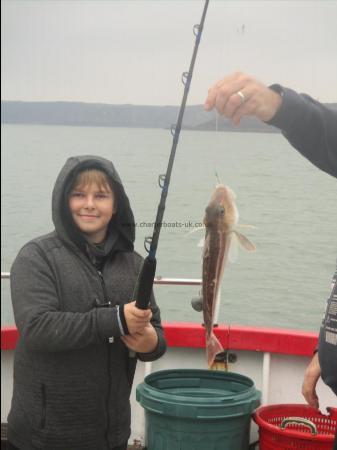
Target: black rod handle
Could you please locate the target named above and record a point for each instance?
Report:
(143, 288)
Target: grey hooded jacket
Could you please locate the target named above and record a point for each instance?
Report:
(71, 386)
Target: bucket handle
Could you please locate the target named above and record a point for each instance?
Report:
(300, 421)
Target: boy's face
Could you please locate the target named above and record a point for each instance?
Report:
(92, 208)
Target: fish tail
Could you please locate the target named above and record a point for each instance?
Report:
(213, 348)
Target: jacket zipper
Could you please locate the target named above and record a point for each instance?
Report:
(107, 304)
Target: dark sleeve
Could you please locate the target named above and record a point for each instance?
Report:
(327, 347)
(156, 323)
(309, 126)
(41, 323)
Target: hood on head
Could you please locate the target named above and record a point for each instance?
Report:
(122, 222)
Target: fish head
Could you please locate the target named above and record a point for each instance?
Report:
(221, 212)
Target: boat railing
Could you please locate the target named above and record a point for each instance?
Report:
(265, 341)
(157, 280)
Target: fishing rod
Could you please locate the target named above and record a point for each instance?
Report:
(146, 275)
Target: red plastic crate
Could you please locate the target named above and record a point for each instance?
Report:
(290, 427)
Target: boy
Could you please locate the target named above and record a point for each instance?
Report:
(71, 292)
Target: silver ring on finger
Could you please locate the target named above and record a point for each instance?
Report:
(242, 97)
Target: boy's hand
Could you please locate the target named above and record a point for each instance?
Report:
(136, 319)
(142, 342)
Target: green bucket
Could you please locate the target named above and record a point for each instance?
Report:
(189, 409)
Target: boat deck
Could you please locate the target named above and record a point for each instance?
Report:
(275, 359)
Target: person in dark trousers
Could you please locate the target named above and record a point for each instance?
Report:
(311, 128)
(80, 332)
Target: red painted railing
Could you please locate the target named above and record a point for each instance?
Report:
(235, 337)
(192, 335)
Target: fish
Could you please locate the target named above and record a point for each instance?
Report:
(221, 221)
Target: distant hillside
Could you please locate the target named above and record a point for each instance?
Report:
(249, 124)
(134, 116)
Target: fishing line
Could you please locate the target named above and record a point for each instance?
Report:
(146, 275)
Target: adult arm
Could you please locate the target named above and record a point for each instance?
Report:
(311, 377)
(309, 126)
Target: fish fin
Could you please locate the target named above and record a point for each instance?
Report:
(242, 225)
(194, 230)
(213, 347)
(233, 249)
(245, 242)
(232, 193)
(201, 243)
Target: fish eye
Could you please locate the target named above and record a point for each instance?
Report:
(221, 210)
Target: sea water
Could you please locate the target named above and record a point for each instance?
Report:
(291, 204)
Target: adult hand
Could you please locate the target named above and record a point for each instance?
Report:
(311, 377)
(136, 319)
(142, 342)
(239, 95)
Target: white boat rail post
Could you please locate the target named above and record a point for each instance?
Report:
(265, 378)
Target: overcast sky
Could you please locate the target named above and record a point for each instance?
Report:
(116, 51)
